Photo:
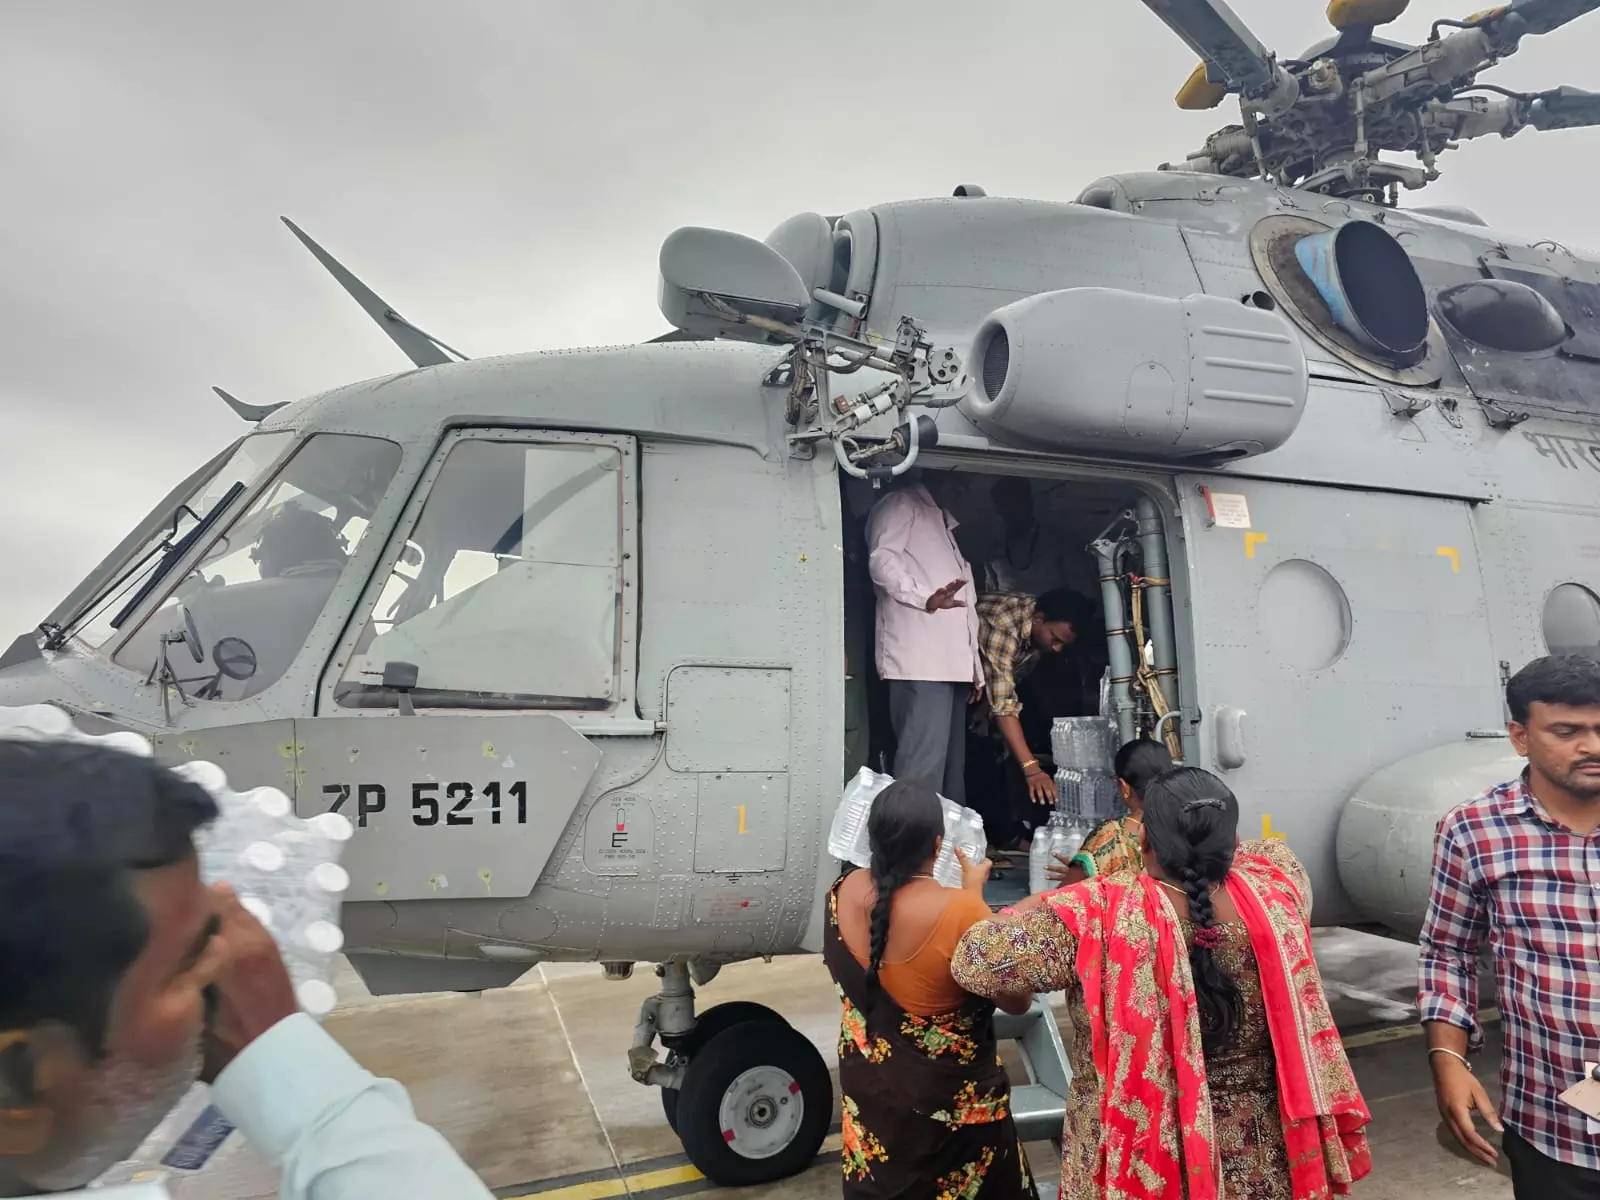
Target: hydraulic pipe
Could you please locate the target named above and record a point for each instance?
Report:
(1105, 553)
(1158, 598)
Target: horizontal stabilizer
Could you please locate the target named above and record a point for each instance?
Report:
(418, 346)
(250, 412)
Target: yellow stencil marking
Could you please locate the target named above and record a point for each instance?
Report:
(741, 818)
(1268, 833)
(1453, 555)
(1251, 541)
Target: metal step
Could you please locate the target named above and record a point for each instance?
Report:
(1040, 1105)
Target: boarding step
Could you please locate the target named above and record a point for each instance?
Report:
(1039, 1105)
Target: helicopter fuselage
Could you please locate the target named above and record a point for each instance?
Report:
(626, 736)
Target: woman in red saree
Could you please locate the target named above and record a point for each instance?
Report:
(1206, 1065)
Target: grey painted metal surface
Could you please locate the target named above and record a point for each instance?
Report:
(1386, 830)
(1357, 637)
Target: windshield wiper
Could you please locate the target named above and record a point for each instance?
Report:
(56, 635)
(175, 552)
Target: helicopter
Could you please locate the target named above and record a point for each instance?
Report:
(567, 635)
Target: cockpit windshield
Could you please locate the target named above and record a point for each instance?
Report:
(93, 623)
(250, 601)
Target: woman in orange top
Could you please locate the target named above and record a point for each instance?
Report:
(926, 1101)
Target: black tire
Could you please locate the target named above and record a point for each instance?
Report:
(706, 1026)
(761, 1070)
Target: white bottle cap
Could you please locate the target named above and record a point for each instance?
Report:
(44, 719)
(203, 774)
(257, 909)
(127, 742)
(331, 878)
(316, 997)
(324, 937)
(271, 802)
(333, 826)
(262, 856)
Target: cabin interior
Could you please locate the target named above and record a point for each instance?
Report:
(1020, 534)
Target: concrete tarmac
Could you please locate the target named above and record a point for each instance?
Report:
(531, 1086)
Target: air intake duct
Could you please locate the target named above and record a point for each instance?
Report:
(1371, 289)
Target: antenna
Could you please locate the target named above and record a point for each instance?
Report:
(421, 347)
(253, 413)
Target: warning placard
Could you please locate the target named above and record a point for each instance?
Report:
(1231, 510)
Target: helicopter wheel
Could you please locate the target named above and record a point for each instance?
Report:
(710, 1023)
(755, 1105)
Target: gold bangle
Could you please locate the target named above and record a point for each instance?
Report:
(1032, 762)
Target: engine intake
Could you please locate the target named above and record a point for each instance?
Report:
(1106, 369)
(1371, 289)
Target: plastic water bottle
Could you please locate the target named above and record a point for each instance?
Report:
(1039, 860)
(847, 838)
(286, 873)
(1066, 839)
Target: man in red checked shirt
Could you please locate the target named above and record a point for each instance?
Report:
(1520, 865)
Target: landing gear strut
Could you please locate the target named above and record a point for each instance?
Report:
(748, 1096)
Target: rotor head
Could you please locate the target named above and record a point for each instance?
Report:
(1323, 121)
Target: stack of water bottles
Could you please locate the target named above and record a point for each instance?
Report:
(286, 873)
(1084, 749)
(848, 841)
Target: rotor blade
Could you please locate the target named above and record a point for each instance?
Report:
(1543, 16)
(1217, 35)
(1564, 108)
(418, 348)
(250, 412)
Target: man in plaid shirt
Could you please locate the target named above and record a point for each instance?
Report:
(1520, 865)
(1013, 631)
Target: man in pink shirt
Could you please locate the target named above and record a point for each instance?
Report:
(927, 630)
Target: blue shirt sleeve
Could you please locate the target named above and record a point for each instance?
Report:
(334, 1130)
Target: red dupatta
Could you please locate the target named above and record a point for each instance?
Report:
(1157, 1140)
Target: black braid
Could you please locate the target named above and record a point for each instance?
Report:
(904, 829)
(887, 885)
(1192, 819)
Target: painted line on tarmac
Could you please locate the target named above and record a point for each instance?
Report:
(658, 1179)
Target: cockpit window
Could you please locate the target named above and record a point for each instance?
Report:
(262, 583)
(507, 593)
(173, 522)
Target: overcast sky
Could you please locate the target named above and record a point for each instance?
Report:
(503, 172)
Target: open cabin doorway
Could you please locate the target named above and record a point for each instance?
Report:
(1022, 535)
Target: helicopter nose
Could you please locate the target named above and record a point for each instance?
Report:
(25, 676)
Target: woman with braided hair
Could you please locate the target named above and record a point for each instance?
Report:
(926, 1101)
(1206, 1064)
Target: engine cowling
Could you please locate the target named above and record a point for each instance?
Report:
(1386, 832)
(1101, 369)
